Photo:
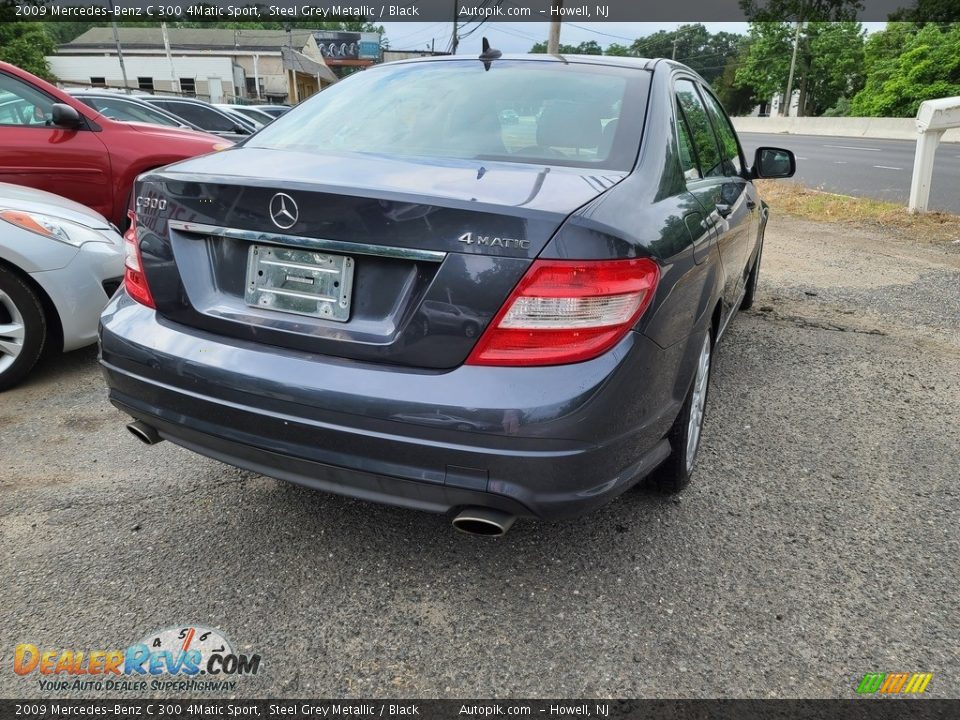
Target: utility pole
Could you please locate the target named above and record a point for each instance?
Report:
(454, 40)
(123, 69)
(166, 47)
(553, 41)
(675, 40)
(116, 40)
(788, 100)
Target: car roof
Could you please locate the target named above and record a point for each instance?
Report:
(611, 60)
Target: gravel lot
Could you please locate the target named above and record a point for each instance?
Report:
(818, 541)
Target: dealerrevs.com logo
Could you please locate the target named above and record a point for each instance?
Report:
(191, 658)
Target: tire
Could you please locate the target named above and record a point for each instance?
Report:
(674, 474)
(748, 296)
(23, 329)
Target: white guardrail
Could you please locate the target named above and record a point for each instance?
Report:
(934, 119)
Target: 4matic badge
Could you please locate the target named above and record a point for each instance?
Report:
(469, 238)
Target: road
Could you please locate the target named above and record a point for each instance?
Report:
(818, 540)
(866, 167)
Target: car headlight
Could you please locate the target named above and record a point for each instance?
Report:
(55, 228)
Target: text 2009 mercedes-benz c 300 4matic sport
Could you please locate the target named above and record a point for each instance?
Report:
(392, 294)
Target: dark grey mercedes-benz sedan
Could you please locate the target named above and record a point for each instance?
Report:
(394, 294)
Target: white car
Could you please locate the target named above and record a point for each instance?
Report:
(59, 264)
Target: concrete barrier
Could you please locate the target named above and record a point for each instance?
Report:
(865, 127)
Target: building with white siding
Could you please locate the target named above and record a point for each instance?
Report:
(220, 65)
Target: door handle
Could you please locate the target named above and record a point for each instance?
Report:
(724, 210)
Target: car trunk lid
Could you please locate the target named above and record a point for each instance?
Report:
(433, 247)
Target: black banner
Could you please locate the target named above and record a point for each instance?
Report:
(876, 709)
(477, 10)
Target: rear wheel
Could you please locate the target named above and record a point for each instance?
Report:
(684, 436)
(23, 329)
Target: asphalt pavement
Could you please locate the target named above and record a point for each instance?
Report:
(865, 167)
(817, 542)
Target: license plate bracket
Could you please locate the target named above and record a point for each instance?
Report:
(302, 282)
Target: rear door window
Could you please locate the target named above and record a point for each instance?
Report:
(701, 130)
(729, 147)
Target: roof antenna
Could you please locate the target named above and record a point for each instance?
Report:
(489, 54)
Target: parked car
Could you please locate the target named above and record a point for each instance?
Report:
(59, 264)
(235, 111)
(51, 141)
(127, 108)
(282, 328)
(203, 115)
(273, 110)
(264, 118)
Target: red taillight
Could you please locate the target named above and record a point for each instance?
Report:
(134, 280)
(566, 311)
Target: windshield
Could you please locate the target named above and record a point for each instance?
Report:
(522, 111)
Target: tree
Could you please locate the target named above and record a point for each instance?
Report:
(927, 67)
(765, 61)
(833, 65)
(736, 100)
(589, 47)
(942, 12)
(830, 62)
(617, 50)
(693, 45)
(26, 45)
(801, 10)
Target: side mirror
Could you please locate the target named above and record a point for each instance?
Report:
(65, 116)
(770, 162)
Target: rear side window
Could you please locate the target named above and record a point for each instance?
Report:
(575, 114)
(729, 147)
(701, 130)
(204, 117)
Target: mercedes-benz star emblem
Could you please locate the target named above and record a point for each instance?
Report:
(283, 211)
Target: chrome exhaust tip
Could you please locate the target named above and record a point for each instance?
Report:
(144, 433)
(483, 521)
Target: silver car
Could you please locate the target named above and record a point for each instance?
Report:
(59, 264)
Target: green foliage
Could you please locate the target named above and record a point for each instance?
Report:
(736, 100)
(927, 66)
(25, 44)
(590, 47)
(801, 10)
(943, 12)
(765, 61)
(617, 49)
(830, 62)
(705, 52)
(840, 109)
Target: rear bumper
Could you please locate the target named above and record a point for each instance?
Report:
(546, 442)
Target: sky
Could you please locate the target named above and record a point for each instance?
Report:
(518, 37)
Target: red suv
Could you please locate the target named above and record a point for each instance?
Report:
(51, 141)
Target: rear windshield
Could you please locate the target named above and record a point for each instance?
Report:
(519, 111)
